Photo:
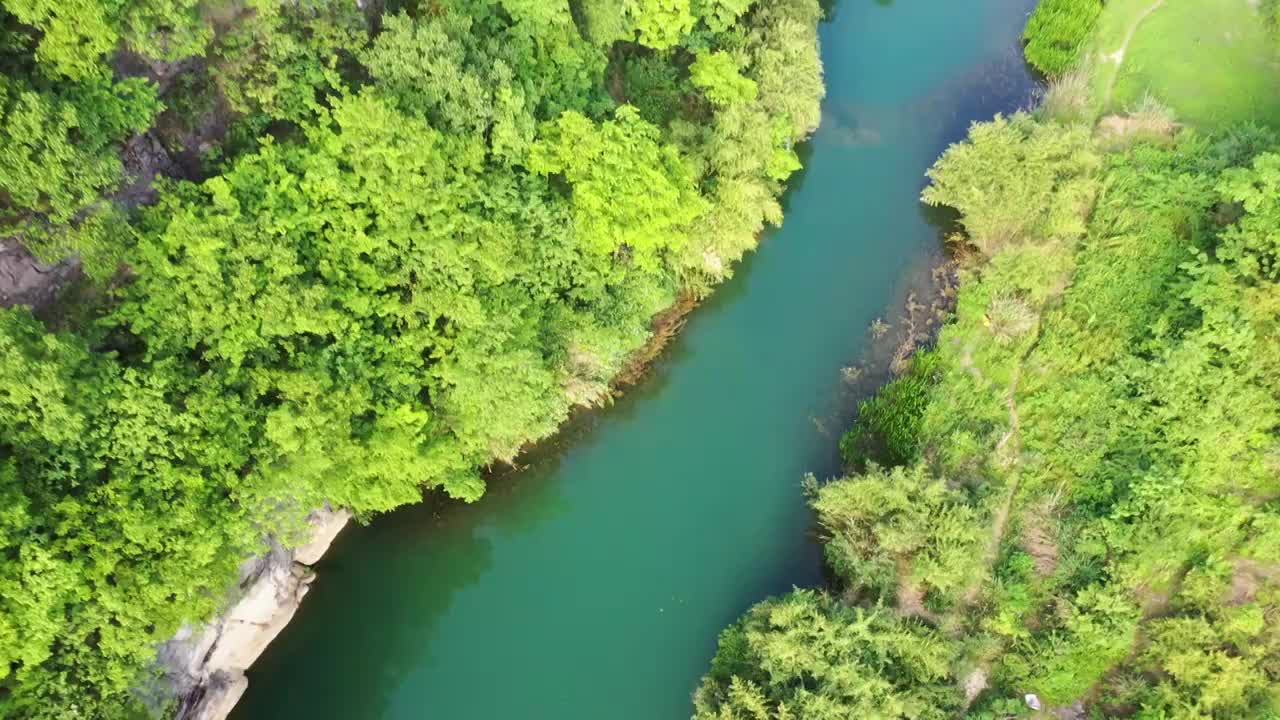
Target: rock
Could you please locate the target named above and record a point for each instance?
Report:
(144, 158)
(251, 624)
(204, 666)
(974, 684)
(189, 649)
(24, 280)
(222, 697)
(325, 526)
(215, 699)
(164, 73)
(1033, 701)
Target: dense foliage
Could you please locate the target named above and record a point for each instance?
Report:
(1085, 509)
(808, 657)
(402, 245)
(1057, 32)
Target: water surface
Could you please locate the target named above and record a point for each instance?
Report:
(592, 584)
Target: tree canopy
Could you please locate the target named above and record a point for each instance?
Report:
(382, 251)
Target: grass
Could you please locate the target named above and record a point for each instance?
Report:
(1067, 98)
(1214, 62)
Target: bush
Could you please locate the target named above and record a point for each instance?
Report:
(1067, 98)
(805, 655)
(1015, 179)
(1057, 31)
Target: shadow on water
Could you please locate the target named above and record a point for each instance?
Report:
(406, 618)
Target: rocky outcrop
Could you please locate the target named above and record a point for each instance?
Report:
(325, 526)
(24, 280)
(205, 666)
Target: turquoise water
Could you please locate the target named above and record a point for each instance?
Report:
(593, 582)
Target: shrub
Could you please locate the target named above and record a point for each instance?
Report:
(1016, 179)
(805, 655)
(1067, 98)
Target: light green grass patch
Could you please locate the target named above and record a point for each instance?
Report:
(1103, 59)
(1214, 62)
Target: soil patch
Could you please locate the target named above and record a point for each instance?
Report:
(1038, 540)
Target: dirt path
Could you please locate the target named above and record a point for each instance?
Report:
(1118, 56)
(1006, 456)
(1007, 451)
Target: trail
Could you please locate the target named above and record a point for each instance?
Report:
(1007, 455)
(1008, 452)
(1118, 56)
(910, 596)
(976, 682)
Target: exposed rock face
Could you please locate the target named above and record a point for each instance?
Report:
(145, 159)
(25, 280)
(205, 666)
(325, 526)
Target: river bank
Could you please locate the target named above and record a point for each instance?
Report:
(204, 666)
(1066, 507)
(595, 577)
(208, 665)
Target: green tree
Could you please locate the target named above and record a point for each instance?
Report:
(717, 74)
(424, 65)
(1057, 32)
(117, 515)
(59, 151)
(659, 24)
(1015, 179)
(806, 656)
(285, 60)
(630, 192)
(73, 35)
(1251, 245)
(901, 526)
(720, 15)
(59, 156)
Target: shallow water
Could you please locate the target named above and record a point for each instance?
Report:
(592, 584)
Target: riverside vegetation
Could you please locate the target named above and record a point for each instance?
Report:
(400, 243)
(1069, 505)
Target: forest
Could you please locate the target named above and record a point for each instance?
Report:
(335, 252)
(1069, 505)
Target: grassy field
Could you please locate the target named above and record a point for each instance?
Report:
(1212, 61)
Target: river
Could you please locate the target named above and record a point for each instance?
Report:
(592, 583)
